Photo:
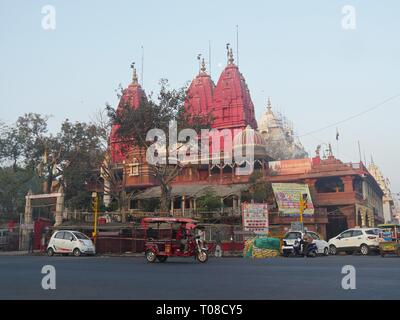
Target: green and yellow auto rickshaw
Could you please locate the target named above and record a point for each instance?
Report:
(390, 243)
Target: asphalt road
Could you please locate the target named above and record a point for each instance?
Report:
(179, 278)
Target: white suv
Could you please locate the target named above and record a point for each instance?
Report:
(66, 242)
(353, 240)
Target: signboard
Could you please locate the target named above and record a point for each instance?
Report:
(297, 226)
(293, 166)
(287, 196)
(255, 217)
(27, 226)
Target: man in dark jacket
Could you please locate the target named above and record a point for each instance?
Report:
(181, 235)
(31, 240)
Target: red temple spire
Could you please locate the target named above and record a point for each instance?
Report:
(132, 97)
(200, 93)
(233, 107)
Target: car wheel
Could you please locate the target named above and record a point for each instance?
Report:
(364, 249)
(77, 252)
(50, 252)
(162, 258)
(333, 250)
(202, 256)
(150, 256)
(326, 251)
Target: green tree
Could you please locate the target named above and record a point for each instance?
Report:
(79, 159)
(71, 157)
(23, 143)
(15, 182)
(210, 201)
(259, 189)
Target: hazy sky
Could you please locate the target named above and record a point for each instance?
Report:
(297, 52)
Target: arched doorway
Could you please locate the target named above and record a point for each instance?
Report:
(337, 222)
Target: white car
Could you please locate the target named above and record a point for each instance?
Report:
(292, 236)
(66, 242)
(363, 240)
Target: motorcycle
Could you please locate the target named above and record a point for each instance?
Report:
(298, 249)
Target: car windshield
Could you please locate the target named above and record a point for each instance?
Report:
(81, 236)
(313, 235)
(372, 231)
(293, 235)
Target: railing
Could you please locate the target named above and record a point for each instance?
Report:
(333, 198)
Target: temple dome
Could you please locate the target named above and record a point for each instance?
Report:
(252, 138)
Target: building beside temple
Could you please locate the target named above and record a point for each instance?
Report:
(388, 204)
(346, 191)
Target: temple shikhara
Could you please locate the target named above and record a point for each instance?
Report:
(338, 190)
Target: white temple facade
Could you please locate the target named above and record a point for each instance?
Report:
(279, 135)
(387, 200)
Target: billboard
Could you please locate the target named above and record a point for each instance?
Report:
(255, 217)
(287, 196)
(293, 166)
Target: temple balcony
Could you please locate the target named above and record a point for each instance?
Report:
(336, 198)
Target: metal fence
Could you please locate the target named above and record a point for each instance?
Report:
(132, 240)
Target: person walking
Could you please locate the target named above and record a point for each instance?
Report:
(43, 241)
(31, 240)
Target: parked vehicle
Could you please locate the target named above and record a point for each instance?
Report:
(290, 238)
(67, 242)
(390, 235)
(172, 237)
(4, 239)
(298, 249)
(362, 240)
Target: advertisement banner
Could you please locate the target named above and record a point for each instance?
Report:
(288, 195)
(255, 217)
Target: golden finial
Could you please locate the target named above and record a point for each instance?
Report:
(203, 66)
(230, 56)
(269, 104)
(134, 75)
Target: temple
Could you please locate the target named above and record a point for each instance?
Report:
(338, 189)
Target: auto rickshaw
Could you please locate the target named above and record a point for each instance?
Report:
(391, 239)
(172, 237)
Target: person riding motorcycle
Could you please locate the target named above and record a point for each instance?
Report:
(306, 241)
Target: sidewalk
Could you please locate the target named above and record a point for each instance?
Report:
(38, 253)
(19, 253)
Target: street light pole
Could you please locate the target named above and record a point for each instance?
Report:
(95, 205)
